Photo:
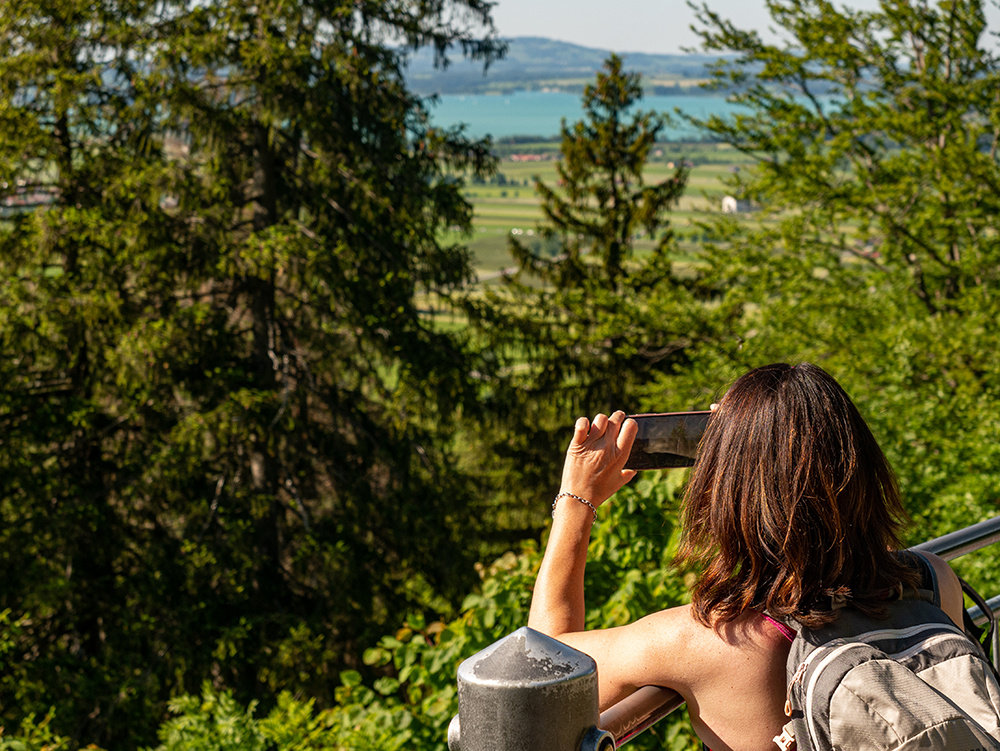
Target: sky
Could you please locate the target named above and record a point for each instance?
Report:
(659, 26)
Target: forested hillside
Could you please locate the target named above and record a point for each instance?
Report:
(533, 63)
(258, 494)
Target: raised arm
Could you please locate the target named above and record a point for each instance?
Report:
(726, 675)
(592, 471)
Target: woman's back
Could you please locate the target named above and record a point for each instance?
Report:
(733, 678)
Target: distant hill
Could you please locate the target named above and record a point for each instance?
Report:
(534, 63)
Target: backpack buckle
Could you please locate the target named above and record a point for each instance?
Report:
(786, 741)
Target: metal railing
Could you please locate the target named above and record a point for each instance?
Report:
(968, 540)
(960, 542)
(510, 704)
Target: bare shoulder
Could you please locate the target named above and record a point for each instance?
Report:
(653, 651)
(709, 651)
(672, 648)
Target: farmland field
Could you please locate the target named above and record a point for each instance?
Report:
(509, 203)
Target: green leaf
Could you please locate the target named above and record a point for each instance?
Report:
(350, 678)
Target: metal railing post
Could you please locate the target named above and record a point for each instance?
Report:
(528, 692)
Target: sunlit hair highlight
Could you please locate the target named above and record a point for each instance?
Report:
(791, 502)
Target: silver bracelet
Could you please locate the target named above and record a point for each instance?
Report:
(581, 500)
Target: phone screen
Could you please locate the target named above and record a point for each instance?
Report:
(669, 439)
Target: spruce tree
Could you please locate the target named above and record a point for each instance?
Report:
(226, 426)
(587, 321)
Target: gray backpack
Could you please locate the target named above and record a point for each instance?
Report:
(912, 681)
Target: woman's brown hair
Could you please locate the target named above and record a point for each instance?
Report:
(791, 504)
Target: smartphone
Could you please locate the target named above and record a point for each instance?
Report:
(668, 439)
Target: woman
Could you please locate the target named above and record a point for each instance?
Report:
(791, 511)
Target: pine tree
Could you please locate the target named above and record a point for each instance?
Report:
(602, 203)
(226, 425)
(588, 320)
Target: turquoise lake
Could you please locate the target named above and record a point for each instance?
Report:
(539, 113)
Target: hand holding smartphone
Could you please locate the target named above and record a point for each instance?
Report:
(667, 439)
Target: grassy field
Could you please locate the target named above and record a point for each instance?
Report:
(510, 204)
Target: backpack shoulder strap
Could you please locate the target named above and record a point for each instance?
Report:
(929, 583)
(929, 588)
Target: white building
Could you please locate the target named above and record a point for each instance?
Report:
(731, 205)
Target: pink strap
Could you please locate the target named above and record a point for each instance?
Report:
(785, 630)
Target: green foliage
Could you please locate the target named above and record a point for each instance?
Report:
(628, 576)
(414, 699)
(876, 252)
(213, 722)
(231, 444)
(32, 737)
(226, 427)
(37, 736)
